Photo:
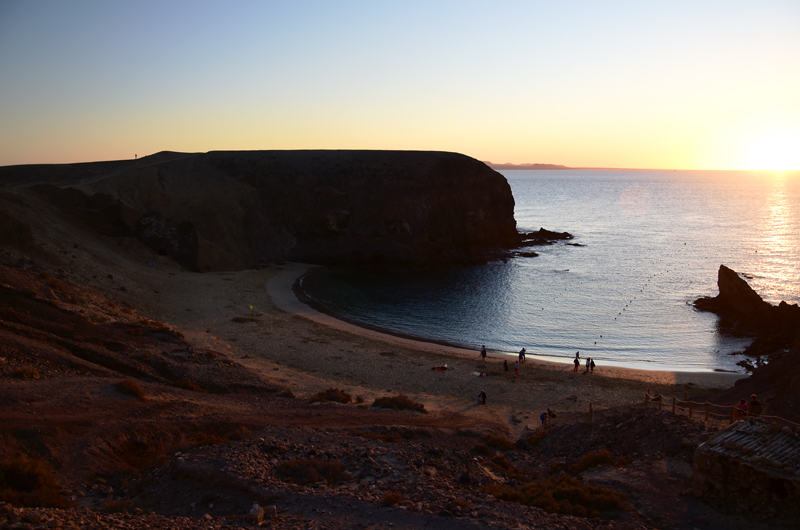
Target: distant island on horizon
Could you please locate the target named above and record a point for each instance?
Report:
(525, 166)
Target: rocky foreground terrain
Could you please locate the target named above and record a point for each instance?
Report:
(115, 420)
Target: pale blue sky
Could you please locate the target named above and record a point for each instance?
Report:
(703, 84)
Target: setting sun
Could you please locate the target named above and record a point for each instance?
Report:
(777, 152)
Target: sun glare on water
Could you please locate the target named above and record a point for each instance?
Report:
(779, 152)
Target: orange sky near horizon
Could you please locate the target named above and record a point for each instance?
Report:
(684, 85)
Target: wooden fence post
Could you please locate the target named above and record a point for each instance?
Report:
(647, 397)
(673, 404)
(690, 410)
(708, 406)
(659, 401)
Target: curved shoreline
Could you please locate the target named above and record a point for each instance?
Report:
(280, 288)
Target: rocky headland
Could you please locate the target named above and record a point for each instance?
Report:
(236, 210)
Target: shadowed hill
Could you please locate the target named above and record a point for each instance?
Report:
(235, 209)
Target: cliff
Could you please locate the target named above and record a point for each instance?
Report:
(236, 209)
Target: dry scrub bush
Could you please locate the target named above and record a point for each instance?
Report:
(131, 388)
(359, 399)
(188, 384)
(391, 437)
(501, 463)
(390, 498)
(590, 460)
(537, 437)
(116, 506)
(220, 433)
(309, 470)
(332, 394)
(499, 443)
(28, 482)
(564, 495)
(482, 449)
(399, 402)
(24, 372)
(287, 393)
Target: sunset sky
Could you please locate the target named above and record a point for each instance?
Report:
(694, 84)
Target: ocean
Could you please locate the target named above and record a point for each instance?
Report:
(650, 242)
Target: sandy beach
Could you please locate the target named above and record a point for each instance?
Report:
(255, 317)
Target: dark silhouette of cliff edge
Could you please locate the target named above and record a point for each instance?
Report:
(776, 347)
(229, 210)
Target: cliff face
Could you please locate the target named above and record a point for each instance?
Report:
(232, 210)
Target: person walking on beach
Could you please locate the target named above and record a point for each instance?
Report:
(588, 363)
(483, 353)
(522, 355)
(505, 365)
(577, 363)
(482, 397)
(516, 370)
(591, 366)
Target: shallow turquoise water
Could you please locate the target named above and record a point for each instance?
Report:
(653, 242)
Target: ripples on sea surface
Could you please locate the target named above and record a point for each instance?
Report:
(652, 241)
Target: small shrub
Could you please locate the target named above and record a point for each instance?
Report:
(399, 402)
(537, 437)
(24, 372)
(28, 482)
(511, 471)
(390, 498)
(482, 449)
(564, 495)
(496, 442)
(391, 437)
(220, 433)
(332, 394)
(188, 384)
(131, 388)
(624, 460)
(590, 460)
(211, 355)
(287, 393)
(116, 506)
(359, 399)
(309, 470)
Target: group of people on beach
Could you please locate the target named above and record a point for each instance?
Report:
(589, 363)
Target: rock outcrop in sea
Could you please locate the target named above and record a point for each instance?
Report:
(236, 209)
(776, 330)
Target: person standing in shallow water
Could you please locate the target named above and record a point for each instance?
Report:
(483, 353)
(522, 355)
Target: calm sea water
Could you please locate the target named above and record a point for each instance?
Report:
(652, 242)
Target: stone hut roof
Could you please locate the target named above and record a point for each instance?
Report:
(770, 448)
